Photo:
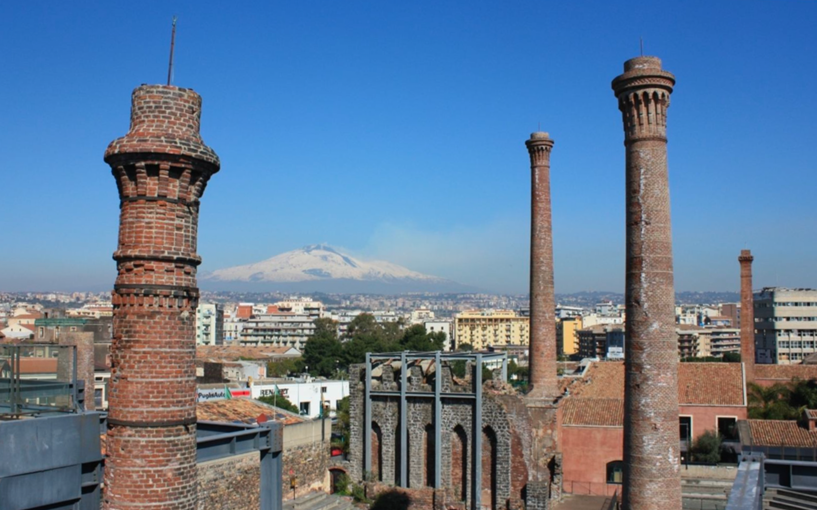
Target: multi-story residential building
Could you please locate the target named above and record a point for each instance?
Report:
(731, 310)
(785, 324)
(563, 312)
(722, 340)
(301, 306)
(689, 340)
(280, 329)
(603, 341)
(481, 328)
(421, 315)
(566, 339)
(209, 324)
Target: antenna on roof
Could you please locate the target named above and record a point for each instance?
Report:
(640, 39)
(172, 44)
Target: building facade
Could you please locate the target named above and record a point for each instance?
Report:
(785, 324)
(481, 328)
(209, 324)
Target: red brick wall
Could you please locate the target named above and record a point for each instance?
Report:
(377, 452)
(488, 483)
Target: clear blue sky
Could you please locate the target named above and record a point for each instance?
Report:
(396, 130)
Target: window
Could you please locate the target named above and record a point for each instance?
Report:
(323, 389)
(615, 471)
(727, 428)
(304, 408)
(685, 426)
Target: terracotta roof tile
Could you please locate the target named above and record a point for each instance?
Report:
(593, 412)
(597, 399)
(781, 433)
(785, 372)
(236, 352)
(242, 410)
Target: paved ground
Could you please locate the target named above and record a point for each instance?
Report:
(570, 502)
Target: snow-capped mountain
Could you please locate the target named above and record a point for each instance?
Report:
(323, 268)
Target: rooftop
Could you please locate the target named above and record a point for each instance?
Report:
(597, 398)
(786, 433)
(243, 410)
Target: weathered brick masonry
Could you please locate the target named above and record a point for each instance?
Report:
(543, 379)
(651, 446)
(747, 315)
(161, 168)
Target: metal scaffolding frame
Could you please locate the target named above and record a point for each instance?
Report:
(477, 359)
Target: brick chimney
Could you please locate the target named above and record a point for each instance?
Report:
(542, 359)
(651, 444)
(747, 315)
(161, 168)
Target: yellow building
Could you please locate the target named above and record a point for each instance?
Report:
(566, 338)
(482, 328)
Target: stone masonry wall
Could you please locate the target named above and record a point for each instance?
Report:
(308, 464)
(233, 483)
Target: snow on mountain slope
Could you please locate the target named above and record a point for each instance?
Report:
(315, 263)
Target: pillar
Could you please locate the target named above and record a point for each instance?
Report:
(161, 168)
(747, 315)
(651, 441)
(542, 357)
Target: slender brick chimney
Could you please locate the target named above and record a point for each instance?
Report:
(543, 380)
(747, 315)
(161, 168)
(651, 442)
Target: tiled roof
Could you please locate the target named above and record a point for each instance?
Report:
(243, 410)
(236, 352)
(597, 399)
(780, 433)
(785, 372)
(710, 384)
(593, 412)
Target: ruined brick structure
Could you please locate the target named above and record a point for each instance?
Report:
(543, 381)
(747, 315)
(507, 456)
(161, 168)
(651, 445)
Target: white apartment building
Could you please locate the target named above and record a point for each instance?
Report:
(209, 324)
(433, 326)
(785, 324)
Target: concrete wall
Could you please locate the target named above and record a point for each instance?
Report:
(234, 483)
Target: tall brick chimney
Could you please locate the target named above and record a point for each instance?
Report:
(747, 315)
(542, 361)
(161, 168)
(651, 442)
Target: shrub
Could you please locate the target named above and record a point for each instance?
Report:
(707, 448)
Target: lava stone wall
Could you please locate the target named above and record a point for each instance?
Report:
(505, 419)
(234, 483)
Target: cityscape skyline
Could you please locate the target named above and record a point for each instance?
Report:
(302, 126)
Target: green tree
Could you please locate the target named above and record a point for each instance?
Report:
(342, 425)
(281, 402)
(465, 346)
(283, 367)
(323, 351)
(731, 357)
(707, 448)
(771, 403)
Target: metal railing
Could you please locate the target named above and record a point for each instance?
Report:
(38, 378)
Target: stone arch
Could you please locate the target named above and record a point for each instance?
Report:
(459, 462)
(429, 445)
(377, 452)
(489, 474)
